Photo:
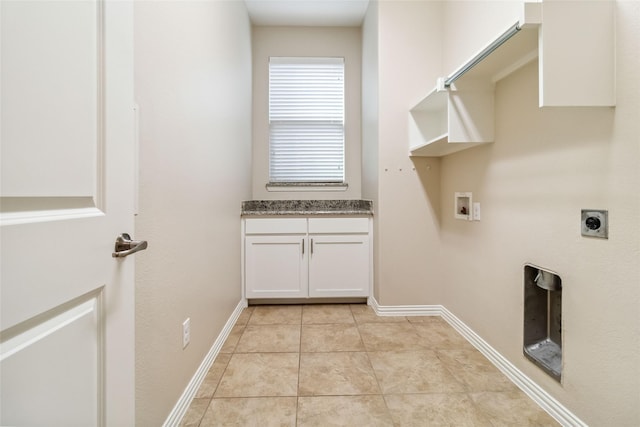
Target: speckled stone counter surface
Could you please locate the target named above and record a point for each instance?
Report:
(306, 207)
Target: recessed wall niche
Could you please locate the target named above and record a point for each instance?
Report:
(462, 206)
(543, 319)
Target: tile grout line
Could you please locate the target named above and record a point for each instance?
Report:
(468, 387)
(205, 411)
(299, 365)
(223, 371)
(467, 392)
(375, 375)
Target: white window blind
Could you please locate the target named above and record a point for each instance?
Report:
(306, 119)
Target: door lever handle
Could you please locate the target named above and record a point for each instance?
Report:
(125, 246)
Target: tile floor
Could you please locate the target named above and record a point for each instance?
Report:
(341, 365)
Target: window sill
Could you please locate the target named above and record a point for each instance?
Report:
(306, 186)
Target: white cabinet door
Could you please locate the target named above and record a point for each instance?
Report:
(276, 266)
(67, 181)
(339, 265)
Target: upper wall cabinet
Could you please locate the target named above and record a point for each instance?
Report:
(575, 46)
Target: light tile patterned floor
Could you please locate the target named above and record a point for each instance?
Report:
(341, 365)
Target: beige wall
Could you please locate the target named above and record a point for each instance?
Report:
(370, 121)
(544, 167)
(464, 34)
(406, 191)
(370, 104)
(193, 86)
(306, 41)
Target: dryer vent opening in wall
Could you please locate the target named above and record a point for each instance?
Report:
(543, 319)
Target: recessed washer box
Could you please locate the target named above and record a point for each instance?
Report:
(595, 223)
(463, 203)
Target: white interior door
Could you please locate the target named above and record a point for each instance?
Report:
(67, 192)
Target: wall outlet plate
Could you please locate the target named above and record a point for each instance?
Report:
(476, 211)
(186, 332)
(595, 223)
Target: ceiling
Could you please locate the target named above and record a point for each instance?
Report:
(328, 13)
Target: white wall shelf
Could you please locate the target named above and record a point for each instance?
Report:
(576, 50)
(447, 121)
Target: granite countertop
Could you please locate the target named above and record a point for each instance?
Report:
(306, 207)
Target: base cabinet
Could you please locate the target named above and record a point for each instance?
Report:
(275, 267)
(310, 257)
(339, 266)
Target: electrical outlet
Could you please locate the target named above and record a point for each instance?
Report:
(595, 223)
(186, 332)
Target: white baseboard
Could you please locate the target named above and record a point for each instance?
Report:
(526, 384)
(181, 407)
(404, 310)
